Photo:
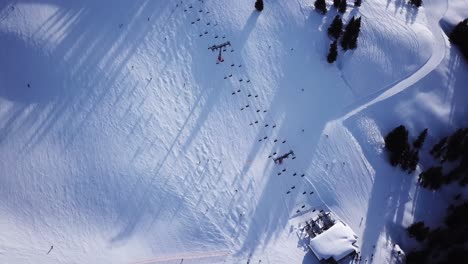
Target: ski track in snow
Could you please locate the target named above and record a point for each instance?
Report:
(438, 53)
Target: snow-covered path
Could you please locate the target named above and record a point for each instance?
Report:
(437, 10)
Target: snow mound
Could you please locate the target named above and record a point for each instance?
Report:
(389, 49)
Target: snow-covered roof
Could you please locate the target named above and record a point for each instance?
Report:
(336, 242)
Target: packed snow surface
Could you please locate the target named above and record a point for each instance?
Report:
(336, 242)
(123, 141)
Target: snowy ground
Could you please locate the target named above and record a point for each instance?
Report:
(122, 141)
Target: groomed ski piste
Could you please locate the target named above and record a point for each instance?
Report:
(123, 141)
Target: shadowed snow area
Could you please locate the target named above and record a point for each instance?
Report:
(123, 141)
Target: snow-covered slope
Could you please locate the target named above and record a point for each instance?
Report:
(122, 140)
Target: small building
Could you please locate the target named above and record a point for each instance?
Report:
(334, 243)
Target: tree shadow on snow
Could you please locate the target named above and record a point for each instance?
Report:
(96, 51)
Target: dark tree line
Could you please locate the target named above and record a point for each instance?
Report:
(459, 37)
(443, 245)
(400, 151)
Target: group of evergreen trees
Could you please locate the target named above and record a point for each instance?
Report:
(340, 5)
(401, 152)
(350, 35)
(444, 245)
(351, 32)
(459, 37)
(454, 149)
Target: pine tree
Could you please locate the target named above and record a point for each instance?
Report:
(336, 27)
(347, 34)
(439, 148)
(259, 5)
(432, 178)
(396, 142)
(418, 143)
(405, 158)
(357, 3)
(333, 52)
(413, 161)
(456, 144)
(321, 6)
(336, 3)
(355, 30)
(459, 36)
(416, 3)
(342, 6)
(418, 230)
